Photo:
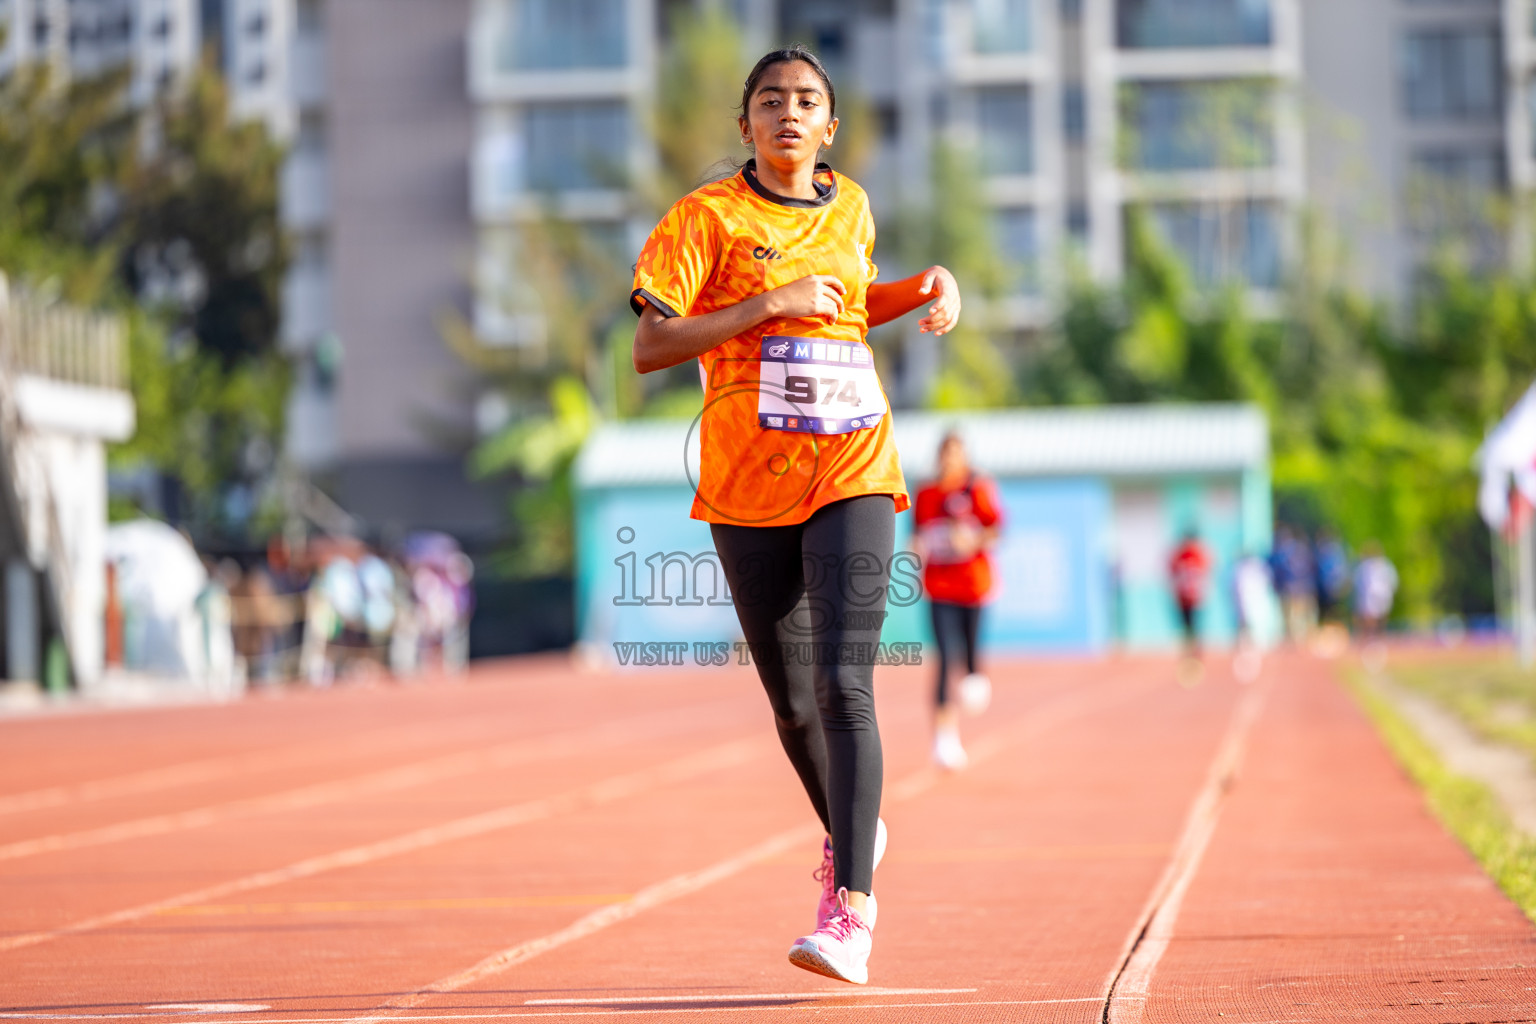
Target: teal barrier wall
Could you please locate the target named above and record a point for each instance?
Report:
(1083, 565)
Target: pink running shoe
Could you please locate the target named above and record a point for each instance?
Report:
(839, 948)
(824, 875)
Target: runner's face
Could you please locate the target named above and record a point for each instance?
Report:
(952, 461)
(789, 117)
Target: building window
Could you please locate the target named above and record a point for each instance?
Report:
(1071, 10)
(1454, 195)
(1019, 242)
(162, 29)
(257, 25)
(1222, 242)
(1000, 26)
(1188, 126)
(1077, 221)
(544, 35)
(1074, 113)
(309, 17)
(577, 145)
(1452, 72)
(257, 72)
(1005, 127)
(820, 25)
(1160, 24)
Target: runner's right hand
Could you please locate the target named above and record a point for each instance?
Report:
(813, 295)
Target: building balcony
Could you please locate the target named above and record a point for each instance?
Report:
(307, 68)
(306, 306)
(311, 437)
(578, 161)
(1192, 24)
(545, 49)
(305, 191)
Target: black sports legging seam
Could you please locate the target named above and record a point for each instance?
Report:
(793, 587)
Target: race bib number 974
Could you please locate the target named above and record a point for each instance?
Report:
(819, 387)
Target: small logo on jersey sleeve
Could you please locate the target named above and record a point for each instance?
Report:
(766, 252)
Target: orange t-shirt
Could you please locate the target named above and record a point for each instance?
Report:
(949, 577)
(728, 241)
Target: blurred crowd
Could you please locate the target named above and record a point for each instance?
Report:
(1323, 594)
(330, 608)
(1320, 585)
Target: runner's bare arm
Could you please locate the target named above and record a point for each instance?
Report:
(662, 341)
(886, 302)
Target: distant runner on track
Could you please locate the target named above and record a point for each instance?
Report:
(766, 277)
(957, 518)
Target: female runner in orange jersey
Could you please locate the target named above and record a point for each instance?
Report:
(767, 279)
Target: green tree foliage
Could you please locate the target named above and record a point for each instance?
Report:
(168, 216)
(62, 146)
(956, 231)
(1374, 417)
(201, 204)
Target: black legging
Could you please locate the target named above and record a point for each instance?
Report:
(811, 598)
(954, 622)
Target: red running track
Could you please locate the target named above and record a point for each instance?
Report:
(537, 842)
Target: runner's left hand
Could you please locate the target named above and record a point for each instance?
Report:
(944, 313)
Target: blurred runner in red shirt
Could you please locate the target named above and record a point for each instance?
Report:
(957, 518)
(1190, 569)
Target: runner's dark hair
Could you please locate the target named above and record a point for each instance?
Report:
(787, 55)
(726, 168)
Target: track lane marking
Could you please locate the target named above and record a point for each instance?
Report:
(818, 994)
(616, 787)
(184, 774)
(1126, 992)
(350, 906)
(1051, 713)
(423, 772)
(821, 1007)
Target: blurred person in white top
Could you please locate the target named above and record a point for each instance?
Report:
(1375, 588)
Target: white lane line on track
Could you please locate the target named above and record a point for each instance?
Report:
(821, 1007)
(1047, 716)
(211, 1007)
(211, 769)
(435, 769)
(605, 791)
(1126, 992)
(818, 994)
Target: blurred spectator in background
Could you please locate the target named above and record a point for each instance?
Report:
(1252, 589)
(1189, 569)
(957, 518)
(440, 575)
(1331, 573)
(328, 609)
(261, 620)
(1375, 589)
(1291, 566)
(221, 671)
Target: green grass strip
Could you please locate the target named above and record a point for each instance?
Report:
(1467, 808)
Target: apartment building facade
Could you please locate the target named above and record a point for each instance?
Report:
(426, 136)
(159, 41)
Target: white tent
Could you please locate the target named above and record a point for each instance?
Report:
(1508, 454)
(1508, 457)
(159, 577)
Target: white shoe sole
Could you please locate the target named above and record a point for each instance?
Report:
(809, 958)
(975, 694)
